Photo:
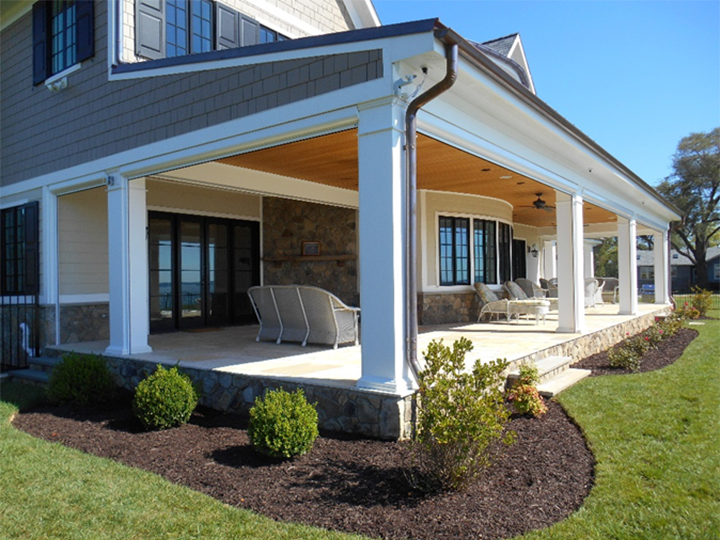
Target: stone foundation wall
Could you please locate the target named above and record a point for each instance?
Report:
(350, 411)
(287, 224)
(84, 322)
(447, 308)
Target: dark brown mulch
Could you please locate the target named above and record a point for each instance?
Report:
(354, 485)
(667, 352)
(350, 485)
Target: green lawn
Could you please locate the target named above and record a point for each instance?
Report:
(656, 437)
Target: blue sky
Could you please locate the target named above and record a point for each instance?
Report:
(635, 76)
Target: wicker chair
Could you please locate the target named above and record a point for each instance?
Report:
(493, 305)
(304, 314)
(531, 289)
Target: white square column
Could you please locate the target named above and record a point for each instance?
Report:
(549, 259)
(571, 281)
(662, 268)
(382, 189)
(128, 261)
(627, 265)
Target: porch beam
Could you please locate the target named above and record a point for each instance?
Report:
(382, 193)
(661, 243)
(128, 266)
(627, 265)
(571, 284)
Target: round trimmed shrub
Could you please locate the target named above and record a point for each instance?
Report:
(81, 379)
(165, 399)
(282, 424)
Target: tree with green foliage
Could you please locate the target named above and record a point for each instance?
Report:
(694, 187)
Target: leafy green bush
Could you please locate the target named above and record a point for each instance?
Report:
(460, 416)
(165, 399)
(701, 300)
(524, 395)
(282, 424)
(686, 311)
(81, 379)
(654, 335)
(672, 324)
(624, 357)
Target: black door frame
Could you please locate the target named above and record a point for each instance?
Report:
(232, 318)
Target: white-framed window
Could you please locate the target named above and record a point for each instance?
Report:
(647, 272)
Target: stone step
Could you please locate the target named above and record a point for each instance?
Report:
(32, 376)
(547, 368)
(43, 363)
(553, 386)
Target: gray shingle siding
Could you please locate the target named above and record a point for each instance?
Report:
(93, 118)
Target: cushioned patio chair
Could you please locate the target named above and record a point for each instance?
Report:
(550, 288)
(490, 303)
(493, 305)
(532, 289)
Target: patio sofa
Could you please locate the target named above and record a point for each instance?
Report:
(491, 304)
(303, 314)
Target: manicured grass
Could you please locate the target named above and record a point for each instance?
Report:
(656, 438)
(48, 491)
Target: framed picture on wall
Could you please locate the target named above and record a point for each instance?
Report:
(310, 249)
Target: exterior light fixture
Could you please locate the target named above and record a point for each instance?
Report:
(533, 250)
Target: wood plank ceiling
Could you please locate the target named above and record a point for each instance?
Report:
(332, 160)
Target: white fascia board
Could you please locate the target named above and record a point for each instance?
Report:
(486, 108)
(263, 183)
(394, 49)
(334, 111)
(362, 13)
(12, 10)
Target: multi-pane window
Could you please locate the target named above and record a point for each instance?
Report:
(267, 35)
(481, 252)
(63, 35)
(201, 24)
(454, 251)
(19, 229)
(647, 272)
(485, 251)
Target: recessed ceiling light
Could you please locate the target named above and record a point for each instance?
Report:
(506, 177)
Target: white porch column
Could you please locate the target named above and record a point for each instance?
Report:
(589, 258)
(381, 185)
(662, 267)
(627, 265)
(549, 259)
(128, 260)
(571, 284)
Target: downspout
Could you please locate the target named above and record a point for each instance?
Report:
(411, 315)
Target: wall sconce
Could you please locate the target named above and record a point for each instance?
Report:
(533, 250)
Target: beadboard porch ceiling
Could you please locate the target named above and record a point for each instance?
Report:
(333, 160)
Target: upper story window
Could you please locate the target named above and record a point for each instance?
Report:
(19, 241)
(473, 247)
(169, 28)
(63, 35)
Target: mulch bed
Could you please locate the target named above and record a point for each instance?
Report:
(667, 352)
(352, 485)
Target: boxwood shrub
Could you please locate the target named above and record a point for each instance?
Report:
(165, 399)
(82, 379)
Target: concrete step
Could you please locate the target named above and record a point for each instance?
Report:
(547, 368)
(553, 386)
(43, 363)
(32, 376)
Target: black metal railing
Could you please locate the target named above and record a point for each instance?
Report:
(19, 329)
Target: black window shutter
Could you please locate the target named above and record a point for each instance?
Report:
(85, 21)
(32, 248)
(41, 62)
(250, 31)
(227, 34)
(150, 28)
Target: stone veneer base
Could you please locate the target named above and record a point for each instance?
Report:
(342, 410)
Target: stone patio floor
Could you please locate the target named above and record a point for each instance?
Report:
(234, 349)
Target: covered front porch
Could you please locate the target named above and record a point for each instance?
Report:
(233, 368)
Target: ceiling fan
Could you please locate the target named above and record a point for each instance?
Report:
(539, 204)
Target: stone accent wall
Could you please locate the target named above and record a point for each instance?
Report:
(84, 322)
(287, 223)
(346, 410)
(447, 308)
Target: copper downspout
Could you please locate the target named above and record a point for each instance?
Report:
(411, 315)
